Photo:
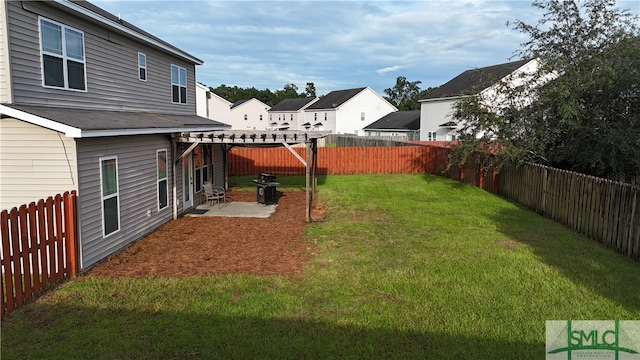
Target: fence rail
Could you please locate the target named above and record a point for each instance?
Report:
(38, 248)
(603, 210)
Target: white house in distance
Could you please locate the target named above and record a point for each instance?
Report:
(347, 111)
(288, 114)
(212, 106)
(249, 114)
(437, 106)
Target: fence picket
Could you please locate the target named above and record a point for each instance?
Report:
(26, 250)
(32, 247)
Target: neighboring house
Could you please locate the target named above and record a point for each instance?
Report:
(249, 114)
(212, 105)
(288, 114)
(402, 124)
(437, 106)
(91, 103)
(347, 111)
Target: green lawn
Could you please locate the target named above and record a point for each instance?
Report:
(404, 266)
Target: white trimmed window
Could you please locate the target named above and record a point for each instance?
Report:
(109, 195)
(163, 179)
(63, 61)
(142, 66)
(325, 116)
(260, 117)
(178, 84)
(432, 136)
(361, 116)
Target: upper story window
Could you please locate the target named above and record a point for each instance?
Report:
(179, 84)
(361, 116)
(291, 117)
(325, 116)
(260, 117)
(63, 61)
(245, 117)
(142, 66)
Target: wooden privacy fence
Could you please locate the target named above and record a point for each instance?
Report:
(603, 210)
(38, 248)
(334, 161)
(363, 160)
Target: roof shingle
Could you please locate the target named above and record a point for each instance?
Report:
(474, 81)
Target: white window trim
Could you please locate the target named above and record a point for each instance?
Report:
(178, 84)
(63, 56)
(146, 72)
(166, 159)
(116, 194)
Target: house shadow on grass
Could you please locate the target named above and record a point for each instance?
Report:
(121, 334)
(581, 260)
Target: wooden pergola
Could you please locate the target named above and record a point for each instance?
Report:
(227, 139)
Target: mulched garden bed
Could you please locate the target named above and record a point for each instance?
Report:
(220, 245)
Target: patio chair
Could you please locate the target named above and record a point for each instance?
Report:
(214, 193)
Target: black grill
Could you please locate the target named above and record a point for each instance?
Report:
(266, 188)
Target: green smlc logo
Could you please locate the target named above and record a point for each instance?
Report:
(597, 336)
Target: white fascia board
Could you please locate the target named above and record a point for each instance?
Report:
(69, 131)
(126, 30)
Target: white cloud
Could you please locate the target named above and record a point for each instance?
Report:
(335, 44)
(389, 69)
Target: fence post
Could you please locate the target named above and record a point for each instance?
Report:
(70, 232)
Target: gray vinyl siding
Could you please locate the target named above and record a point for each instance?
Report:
(218, 166)
(111, 67)
(137, 186)
(5, 79)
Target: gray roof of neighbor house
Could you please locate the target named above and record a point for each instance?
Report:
(83, 123)
(116, 22)
(335, 98)
(239, 102)
(291, 104)
(398, 120)
(474, 81)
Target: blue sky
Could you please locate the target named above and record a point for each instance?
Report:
(335, 44)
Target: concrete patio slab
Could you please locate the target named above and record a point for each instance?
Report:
(234, 209)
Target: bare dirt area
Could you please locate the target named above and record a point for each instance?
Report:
(220, 245)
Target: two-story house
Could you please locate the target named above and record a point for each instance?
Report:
(288, 114)
(437, 106)
(91, 103)
(249, 114)
(347, 111)
(212, 105)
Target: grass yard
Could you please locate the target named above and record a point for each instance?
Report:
(404, 266)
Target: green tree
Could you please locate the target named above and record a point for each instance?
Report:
(588, 118)
(310, 90)
(405, 94)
